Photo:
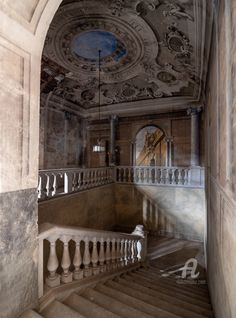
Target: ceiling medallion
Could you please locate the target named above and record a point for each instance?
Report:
(78, 29)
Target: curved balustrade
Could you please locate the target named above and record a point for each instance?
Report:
(61, 181)
(86, 252)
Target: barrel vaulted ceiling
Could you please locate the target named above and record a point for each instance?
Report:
(153, 54)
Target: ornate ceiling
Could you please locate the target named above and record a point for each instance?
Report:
(153, 51)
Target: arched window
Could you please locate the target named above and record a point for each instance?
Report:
(150, 147)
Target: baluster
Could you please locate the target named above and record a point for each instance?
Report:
(174, 176)
(66, 276)
(79, 180)
(74, 182)
(185, 176)
(180, 177)
(137, 175)
(94, 257)
(108, 255)
(132, 250)
(101, 257)
(77, 261)
(67, 182)
(135, 251)
(48, 185)
(169, 176)
(87, 259)
(122, 253)
(125, 252)
(129, 252)
(118, 265)
(53, 278)
(54, 186)
(113, 253)
(40, 187)
(162, 176)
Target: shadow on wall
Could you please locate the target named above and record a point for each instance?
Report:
(175, 212)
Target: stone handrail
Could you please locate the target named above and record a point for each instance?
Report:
(165, 176)
(86, 252)
(62, 181)
(56, 182)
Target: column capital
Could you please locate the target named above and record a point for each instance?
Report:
(114, 117)
(194, 110)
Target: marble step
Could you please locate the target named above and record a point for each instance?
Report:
(88, 308)
(58, 310)
(113, 305)
(116, 291)
(189, 298)
(169, 299)
(172, 285)
(133, 289)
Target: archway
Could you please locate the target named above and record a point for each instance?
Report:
(150, 147)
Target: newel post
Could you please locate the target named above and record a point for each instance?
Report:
(142, 243)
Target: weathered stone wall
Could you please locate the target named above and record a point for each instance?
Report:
(61, 140)
(23, 26)
(221, 162)
(176, 212)
(92, 208)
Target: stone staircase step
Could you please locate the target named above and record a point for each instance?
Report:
(172, 281)
(113, 305)
(156, 269)
(190, 298)
(114, 289)
(175, 301)
(135, 290)
(58, 310)
(88, 308)
(172, 285)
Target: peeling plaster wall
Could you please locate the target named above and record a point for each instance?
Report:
(60, 139)
(221, 158)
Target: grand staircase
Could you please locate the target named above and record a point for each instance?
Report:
(149, 291)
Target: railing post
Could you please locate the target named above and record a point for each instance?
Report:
(66, 276)
(77, 261)
(113, 253)
(101, 257)
(53, 279)
(87, 259)
(94, 257)
(108, 254)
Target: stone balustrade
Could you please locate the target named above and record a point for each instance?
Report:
(86, 252)
(62, 181)
(164, 176)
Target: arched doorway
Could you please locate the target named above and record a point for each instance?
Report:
(150, 147)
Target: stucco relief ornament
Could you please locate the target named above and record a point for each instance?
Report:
(169, 81)
(177, 42)
(143, 7)
(176, 11)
